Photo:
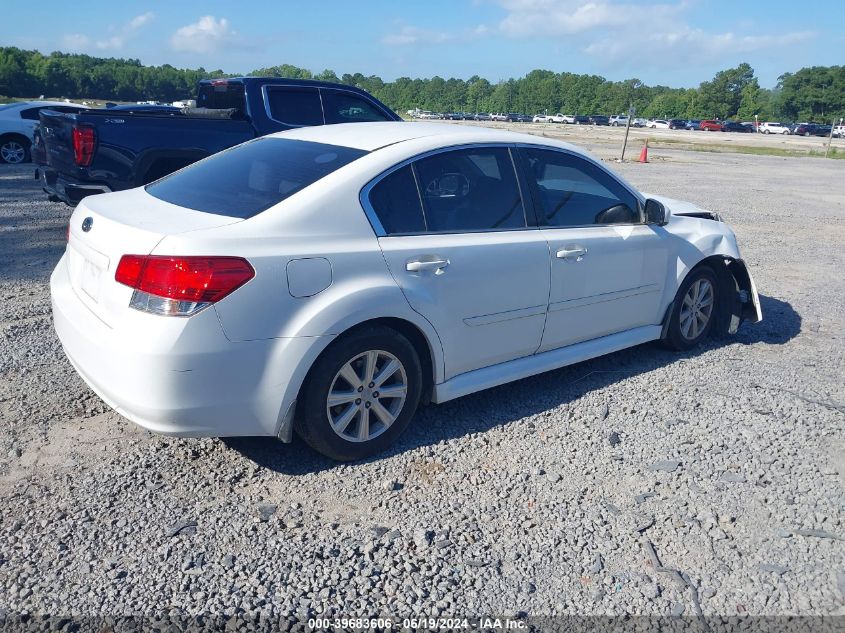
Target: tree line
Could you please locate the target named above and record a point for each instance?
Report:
(816, 93)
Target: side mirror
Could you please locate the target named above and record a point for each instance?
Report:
(656, 213)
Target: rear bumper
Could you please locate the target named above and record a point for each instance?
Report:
(180, 377)
(61, 189)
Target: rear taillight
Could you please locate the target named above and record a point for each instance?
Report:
(84, 141)
(180, 286)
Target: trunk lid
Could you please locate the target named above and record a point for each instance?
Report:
(128, 222)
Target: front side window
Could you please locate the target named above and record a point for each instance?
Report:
(574, 192)
(470, 190)
(344, 107)
(295, 105)
(244, 181)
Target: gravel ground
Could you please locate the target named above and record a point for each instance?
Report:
(643, 482)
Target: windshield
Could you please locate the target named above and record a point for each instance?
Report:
(244, 181)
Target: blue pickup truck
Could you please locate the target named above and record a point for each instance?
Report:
(97, 151)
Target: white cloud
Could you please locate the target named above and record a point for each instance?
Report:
(410, 35)
(612, 31)
(413, 35)
(686, 45)
(203, 36)
(140, 20)
(77, 41)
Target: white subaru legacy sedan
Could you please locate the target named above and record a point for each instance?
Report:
(328, 280)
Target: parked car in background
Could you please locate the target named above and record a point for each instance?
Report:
(518, 117)
(453, 116)
(581, 119)
(498, 116)
(810, 129)
(839, 131)
(773, 127)
(542, 118)
(96, 151)
(17, 127)
(599, 119)
(286, 285)
(481, 116)
(735, 126)
(568, 118)
(692, 124)
(658, 124)
(677, 124)
(710, 125)
(619, 120)
(640, 122)
(558, 118)
(429, 115)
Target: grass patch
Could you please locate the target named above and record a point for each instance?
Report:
(748, 149)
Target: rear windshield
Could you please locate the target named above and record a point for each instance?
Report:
(221, 95)
(244, 181)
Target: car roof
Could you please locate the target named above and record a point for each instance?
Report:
(372, 136)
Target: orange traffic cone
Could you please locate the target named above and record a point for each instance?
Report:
(644, 153)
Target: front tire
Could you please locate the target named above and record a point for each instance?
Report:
(694, 310)
(360, 395)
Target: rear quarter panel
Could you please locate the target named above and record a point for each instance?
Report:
(322, 221)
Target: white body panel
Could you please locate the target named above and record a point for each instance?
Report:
(12, 123)
(616, 285)
(236, 368)
(488, 304)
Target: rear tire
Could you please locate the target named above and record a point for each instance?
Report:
(360, 395)
(694, 310)
(14, 150)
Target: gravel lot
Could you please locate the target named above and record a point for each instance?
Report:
(642, 482)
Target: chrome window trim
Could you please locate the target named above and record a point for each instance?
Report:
(372, 216)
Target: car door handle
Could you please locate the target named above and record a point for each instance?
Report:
(576, 252)
(426, 265)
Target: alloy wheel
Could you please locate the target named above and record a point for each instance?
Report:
(12, 152)
(697, 308)
(367, 395)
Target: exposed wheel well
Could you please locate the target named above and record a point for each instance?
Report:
(732, 279)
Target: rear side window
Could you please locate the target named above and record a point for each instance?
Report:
(221, 95)
(470, 190)
(396, 202)
(244, 181)
(295, 105)
(344, 107)
(30, 114)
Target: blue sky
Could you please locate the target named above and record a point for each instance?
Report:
(659, 41)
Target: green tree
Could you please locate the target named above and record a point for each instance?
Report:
(722, 96)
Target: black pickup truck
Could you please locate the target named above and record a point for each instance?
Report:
(107, 150)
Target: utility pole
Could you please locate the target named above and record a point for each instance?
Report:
(830, 138)
(631, 112)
